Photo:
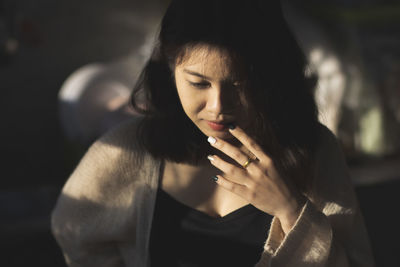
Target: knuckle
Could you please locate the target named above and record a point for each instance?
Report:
(231, 170)
(231, 187)
(251, 143)
(219, 144)
(257, 147)
(237, 154)
(257, 180)
(268, 162)
(258, 174)
(257, 171)
(252, 196)
(251, 184)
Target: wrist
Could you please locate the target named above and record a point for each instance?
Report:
(290, 215)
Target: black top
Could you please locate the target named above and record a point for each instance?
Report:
(183, 236)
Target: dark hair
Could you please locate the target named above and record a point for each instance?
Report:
(255, 31)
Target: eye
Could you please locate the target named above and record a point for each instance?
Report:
(200, 85)
(236, 84)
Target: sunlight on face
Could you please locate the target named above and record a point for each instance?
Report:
(209, 89)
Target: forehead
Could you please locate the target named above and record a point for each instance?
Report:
(210, 61)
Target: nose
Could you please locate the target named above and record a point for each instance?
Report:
(221, 101)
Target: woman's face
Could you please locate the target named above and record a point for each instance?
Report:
(209, 87)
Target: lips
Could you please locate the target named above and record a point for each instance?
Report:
(217, 126)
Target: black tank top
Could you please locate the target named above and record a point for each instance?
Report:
(182, 236)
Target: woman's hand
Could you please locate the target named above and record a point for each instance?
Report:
(259, 182)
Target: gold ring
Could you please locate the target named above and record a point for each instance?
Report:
(249, 160)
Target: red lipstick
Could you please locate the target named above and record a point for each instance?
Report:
(217, 126)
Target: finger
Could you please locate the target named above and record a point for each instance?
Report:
(249, 143)
(230, 150)
(235, 188)
(236, 174)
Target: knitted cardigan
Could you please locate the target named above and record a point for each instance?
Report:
(103, 215)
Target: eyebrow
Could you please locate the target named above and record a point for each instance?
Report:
(196, 74)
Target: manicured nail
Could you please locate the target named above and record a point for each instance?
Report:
(215, 178)
(211, 140)
(231, 126)
(210, 158)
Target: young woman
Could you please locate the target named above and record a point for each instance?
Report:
(228, 166)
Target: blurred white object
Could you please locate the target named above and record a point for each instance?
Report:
(96, 97)
(331, 86)
(87, 100)
(323, 61)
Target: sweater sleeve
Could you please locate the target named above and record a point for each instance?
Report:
(330, 230)
(94, 211)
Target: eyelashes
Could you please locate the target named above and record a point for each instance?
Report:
(200, 85)
(203, 85)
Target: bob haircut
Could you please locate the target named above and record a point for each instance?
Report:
(254, 32)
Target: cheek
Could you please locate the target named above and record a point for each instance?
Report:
(189, 100)
(192, 100)
(191, 103)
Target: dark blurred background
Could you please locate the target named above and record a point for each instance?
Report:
(67, 67)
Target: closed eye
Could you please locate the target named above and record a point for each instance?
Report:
(200, 84)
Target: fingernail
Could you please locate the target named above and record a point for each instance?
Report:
(215, 178)
(231, 126)
(211, 140)
(211, 158)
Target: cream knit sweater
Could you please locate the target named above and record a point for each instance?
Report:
(104, 213)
